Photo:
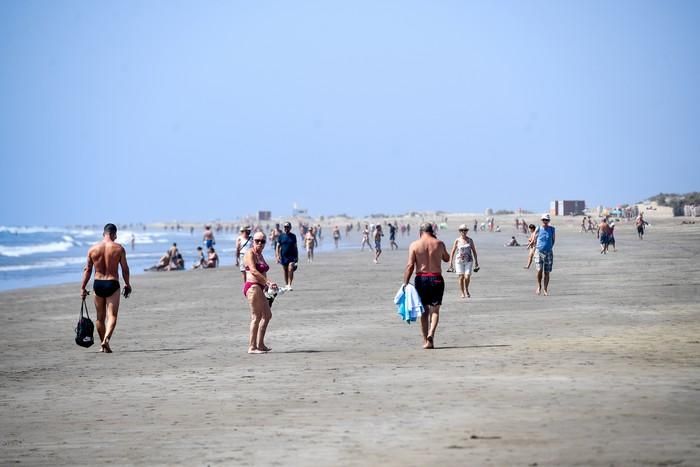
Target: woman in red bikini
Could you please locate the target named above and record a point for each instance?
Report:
(254, 289)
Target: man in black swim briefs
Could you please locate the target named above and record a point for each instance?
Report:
(106, 257)
(425, 257)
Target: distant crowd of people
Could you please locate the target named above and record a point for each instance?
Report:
(425, 258)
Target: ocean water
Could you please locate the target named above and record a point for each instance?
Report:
(35, 256)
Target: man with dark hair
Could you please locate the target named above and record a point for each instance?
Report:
(287, 254)
(425, 256)
(106, 257)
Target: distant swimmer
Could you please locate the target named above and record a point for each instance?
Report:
(425, 257)
(208, 237)
(106, 257)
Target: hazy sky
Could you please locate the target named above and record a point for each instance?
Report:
(149, 110)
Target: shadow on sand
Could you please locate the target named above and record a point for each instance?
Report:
(445, 347)
(157, 350)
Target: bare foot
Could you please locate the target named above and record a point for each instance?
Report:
(463, 296)
(526, 267)
(105, 346)
(429, 343)
(546, 293)
(253, 350)
(537, 291)
(264, 348)
(469, 295)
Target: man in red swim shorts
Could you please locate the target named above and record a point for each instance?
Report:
(425, 257)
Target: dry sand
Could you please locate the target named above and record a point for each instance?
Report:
(605, 371)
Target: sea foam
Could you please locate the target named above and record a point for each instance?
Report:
(24, 250)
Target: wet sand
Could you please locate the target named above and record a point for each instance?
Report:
(605, 371)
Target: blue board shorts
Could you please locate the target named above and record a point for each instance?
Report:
(544, 260)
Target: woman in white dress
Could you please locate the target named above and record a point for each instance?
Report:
(463, 260)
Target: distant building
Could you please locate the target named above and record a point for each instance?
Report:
(264, 215)
(567, 208)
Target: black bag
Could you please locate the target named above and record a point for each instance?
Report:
(85, 329)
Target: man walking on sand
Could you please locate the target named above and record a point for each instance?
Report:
(544, 256)
(106, 257)
(287, 254)
(425, 257)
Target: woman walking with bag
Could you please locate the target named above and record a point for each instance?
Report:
(256, 284)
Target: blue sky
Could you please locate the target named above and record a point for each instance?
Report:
(160, 110)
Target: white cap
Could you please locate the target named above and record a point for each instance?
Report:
(545, 216)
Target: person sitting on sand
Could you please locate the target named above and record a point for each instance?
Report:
(212, 258)
(200, 261)
(177, 262)
(162, 265)
(512, 242)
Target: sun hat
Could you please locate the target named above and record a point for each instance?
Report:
(463, 227)
(288, 224)
(244, 227)
(545, 217)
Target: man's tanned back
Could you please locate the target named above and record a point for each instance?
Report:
(106, 258)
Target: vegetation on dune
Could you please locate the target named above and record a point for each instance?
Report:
(676, 201)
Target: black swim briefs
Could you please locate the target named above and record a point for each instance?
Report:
(105, 288)
(430, 288)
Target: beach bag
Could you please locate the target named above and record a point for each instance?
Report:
(84, 329)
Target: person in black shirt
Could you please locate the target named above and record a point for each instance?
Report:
(287, 254)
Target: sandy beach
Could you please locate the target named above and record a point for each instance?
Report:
(605, 371)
